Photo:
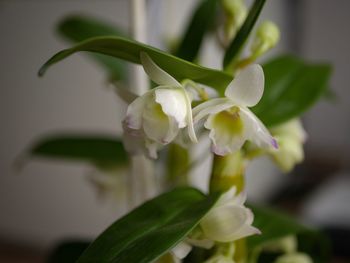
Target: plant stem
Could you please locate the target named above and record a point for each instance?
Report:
(142, 180)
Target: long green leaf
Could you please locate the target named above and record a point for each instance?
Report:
(291, 87)
(237, 43)
(150, 230)
(99, 150)
(199, 24)
(77, 28)
(130, 50)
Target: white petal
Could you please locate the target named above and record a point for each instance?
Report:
(173, 102)
(181, 250)
(227, 196)
(222, 223)
(152, 148)
(157, 125)
(226, 134)
(210, 107)
(207, 104)
(245, 231)
(155, 73)
(256, 130)
(247, 87)
(133, 119)
(190, 124)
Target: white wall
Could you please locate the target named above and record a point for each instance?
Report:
(50, 200)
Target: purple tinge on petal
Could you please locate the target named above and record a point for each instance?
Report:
(128, 128)
(274, 143)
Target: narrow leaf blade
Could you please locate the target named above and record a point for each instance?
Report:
(129, 50)
(100, 150)
(77, 28)
(201, 21)
(150, 230)
(237, 43)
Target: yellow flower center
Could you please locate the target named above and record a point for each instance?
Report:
(230, 121)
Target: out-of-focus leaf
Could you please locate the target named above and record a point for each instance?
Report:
(291, 87)
(129, 50)
(199, 24)
(67, 252)
(99, 150)
(275, 225)
(238, 42)
(152, 229)
(77, 28)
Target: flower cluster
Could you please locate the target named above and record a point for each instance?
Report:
(159, 116)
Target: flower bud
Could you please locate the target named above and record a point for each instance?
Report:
(290, 137)
(236, 12)
(266, 37)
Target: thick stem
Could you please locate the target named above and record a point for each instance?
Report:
(228, 171)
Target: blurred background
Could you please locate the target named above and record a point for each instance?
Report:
(48, 201)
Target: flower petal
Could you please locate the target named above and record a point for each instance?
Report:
(226, 132)
(181, 250)
(190, 125)
(223, 223)
(256, 130)
(133, 119)
(247, 87)
(155, 73)
(210, 107)
(173, 103)
(157, 125)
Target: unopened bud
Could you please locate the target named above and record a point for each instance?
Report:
(236, 12)
(267, 36)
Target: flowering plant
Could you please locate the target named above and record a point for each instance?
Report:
(245, 109)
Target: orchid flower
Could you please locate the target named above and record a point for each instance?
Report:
(229, 120)
(229, 220)
(155, 118)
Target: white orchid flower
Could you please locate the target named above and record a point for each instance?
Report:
(229, 220)
(229, 120)
(291, 137)
(155, 118)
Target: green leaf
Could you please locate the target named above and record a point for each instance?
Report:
(152, 229)
(129, 50)
(291, 88)
(237, 43)
(77, 28)
(99, 150)
(200, 23)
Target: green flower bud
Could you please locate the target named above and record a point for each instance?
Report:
(266, 37)
(236, 12)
